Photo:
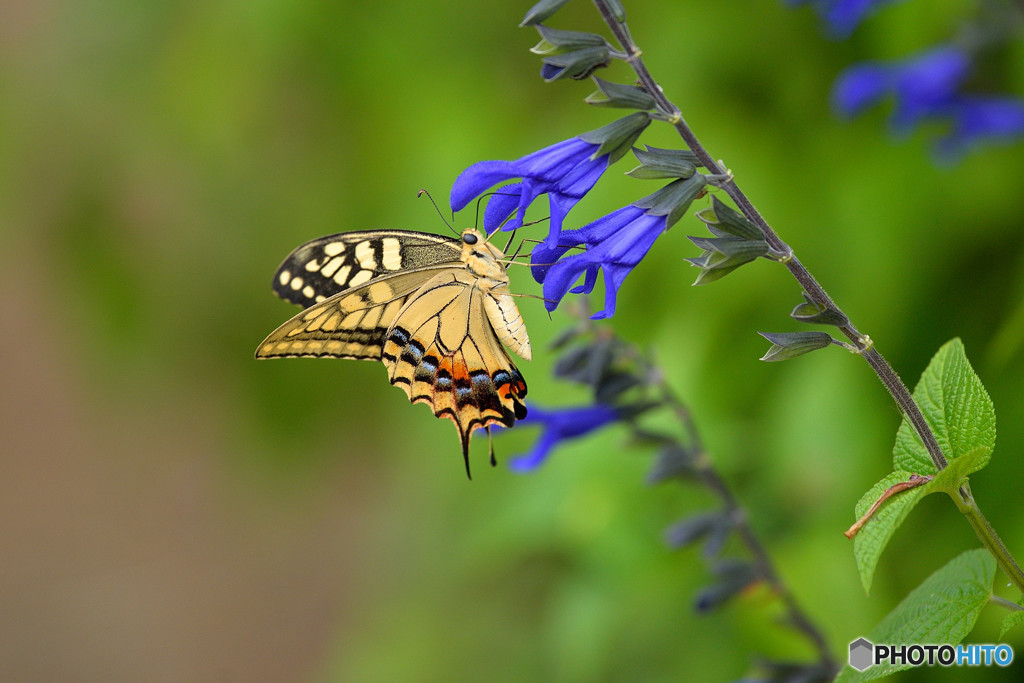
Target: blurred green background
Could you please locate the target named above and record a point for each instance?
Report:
(171, 509)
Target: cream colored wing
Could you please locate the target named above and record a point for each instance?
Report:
(443, 351)
(350, 324)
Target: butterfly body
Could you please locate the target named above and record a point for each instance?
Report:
(435, 310)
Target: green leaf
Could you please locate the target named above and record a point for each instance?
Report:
(871, 540)
(956, 407)
(943, 609)
(950, 478)
(1012, 619)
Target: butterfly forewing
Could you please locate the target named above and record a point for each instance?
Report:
(350, 324)
(326, 266)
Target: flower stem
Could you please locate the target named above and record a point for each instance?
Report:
(714, 482)
(889, 378)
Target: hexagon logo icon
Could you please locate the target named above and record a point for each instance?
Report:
(861, 654)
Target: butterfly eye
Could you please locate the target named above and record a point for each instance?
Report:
(469, 238)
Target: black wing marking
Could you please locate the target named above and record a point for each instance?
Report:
(321, 268)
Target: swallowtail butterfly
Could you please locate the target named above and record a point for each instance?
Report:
(434, 309)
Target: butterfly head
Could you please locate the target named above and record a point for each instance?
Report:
(480, 256)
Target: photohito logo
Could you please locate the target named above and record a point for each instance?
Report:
(864, 654)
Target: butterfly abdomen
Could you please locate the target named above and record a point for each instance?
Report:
(508, 323)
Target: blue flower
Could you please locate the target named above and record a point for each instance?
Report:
(927, 87)
(560, 425)
(982, 118)
(565, 172)
(843, 16)
(920, 85)
(615, 244)
(549, 72)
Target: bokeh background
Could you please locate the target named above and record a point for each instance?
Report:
(171, 509)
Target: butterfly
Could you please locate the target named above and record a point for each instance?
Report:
(434, 309)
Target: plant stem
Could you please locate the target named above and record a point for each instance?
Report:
(1003, 602)
(889, 378)
(983, 528)
(713, 481)
(807, 281)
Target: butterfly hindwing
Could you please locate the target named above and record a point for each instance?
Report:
(326, 266)
(442, 350)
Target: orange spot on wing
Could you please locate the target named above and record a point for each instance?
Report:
(460, 371)
(517, 388)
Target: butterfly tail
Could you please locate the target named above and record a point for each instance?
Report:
(490, 446)
(464, 437)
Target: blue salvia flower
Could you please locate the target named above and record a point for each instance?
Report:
(843, 16)
(615, 244)
(560, 425)
(977, 119)
(927, 87)
(565, 172)
(920, 85)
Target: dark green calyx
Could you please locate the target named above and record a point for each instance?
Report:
(621, 96)
(557, 41)
(722, 219)
(816, 314)
(786, 345)
(674, 199)
(542, 11)
(577, 65)
(658, 163)
(617, 138)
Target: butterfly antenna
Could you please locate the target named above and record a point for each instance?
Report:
(492, 194)
(436, 208)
